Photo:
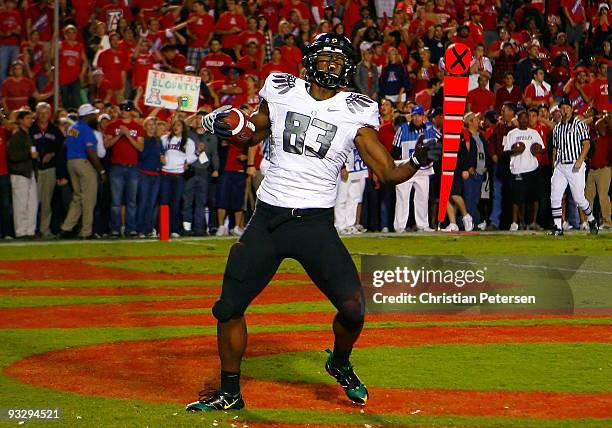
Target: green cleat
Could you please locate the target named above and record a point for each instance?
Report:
(217, 400)
(354, 389)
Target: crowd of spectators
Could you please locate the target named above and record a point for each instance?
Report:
(102, 162)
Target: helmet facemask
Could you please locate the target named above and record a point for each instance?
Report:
(328, 66)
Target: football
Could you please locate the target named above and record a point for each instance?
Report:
(242, 128)
(519, 147)
(536, 149)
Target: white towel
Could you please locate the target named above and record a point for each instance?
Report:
(541, 89)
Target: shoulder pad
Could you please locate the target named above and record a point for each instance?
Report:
(358, 103)
(283, 82)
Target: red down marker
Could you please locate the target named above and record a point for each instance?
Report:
(457, 61)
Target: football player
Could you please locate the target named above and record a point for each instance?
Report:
(313, 125)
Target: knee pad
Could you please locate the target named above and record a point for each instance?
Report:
(223, 311)
(351, 314)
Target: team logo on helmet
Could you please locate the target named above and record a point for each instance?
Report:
(336, 45)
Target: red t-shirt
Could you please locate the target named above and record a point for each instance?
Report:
(489, 16)
(102, 91)
(544, 131)
(143, 63)
(578, 103)
(599, 89)
(179, 62)
(17, 92)
(386, 134)
(350, 18)
(575, 9)
(426, 74)
(111, 62)
(123, 152)
(235, 100)
(246, 37)
(300, 6)
(127, 49)
(476, 32)
(250, 65)
(269, 68)
(201, 27)
(157, 39)
(10, 21)
(3, 155)
(480, 100)
(253, 100)
(214, 62)
(530, 92)
(292, 56)
(82, 11)
(147, 4)
(232, 163)
(226, 22)
(42, 20)
(270, 9)
(38, 56)
(112, 13)
(70, 61)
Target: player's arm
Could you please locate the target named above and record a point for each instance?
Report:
(379, 160)
(261, 120)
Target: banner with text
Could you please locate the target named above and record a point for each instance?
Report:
(172, 91)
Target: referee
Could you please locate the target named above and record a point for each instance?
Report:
(570, 147)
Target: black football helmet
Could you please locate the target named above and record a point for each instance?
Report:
(332, 43)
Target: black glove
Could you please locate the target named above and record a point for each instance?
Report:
(426, 151)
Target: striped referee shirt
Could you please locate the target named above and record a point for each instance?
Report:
(568, 138)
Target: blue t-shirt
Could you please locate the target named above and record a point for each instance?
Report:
(149, 158)
(79, 139)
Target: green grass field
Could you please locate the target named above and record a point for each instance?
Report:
(120, 334)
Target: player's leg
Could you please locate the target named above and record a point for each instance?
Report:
(329, 264)
(577, 185)
(558, 183)
(251, 264)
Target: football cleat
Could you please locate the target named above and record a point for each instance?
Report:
(217, 400)
(354, 389)
(593, 228)
(556, 232)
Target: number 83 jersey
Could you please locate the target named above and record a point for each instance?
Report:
(310, 141)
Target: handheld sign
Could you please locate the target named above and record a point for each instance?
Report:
(172, 91)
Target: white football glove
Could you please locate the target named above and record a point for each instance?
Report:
(208, 121)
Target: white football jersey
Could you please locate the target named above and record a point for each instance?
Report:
(310, 141)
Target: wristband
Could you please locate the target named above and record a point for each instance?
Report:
(250, 165)
(414, 162)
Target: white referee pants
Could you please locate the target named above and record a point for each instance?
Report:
(562, 176)
(350, 194)
(421, 202)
